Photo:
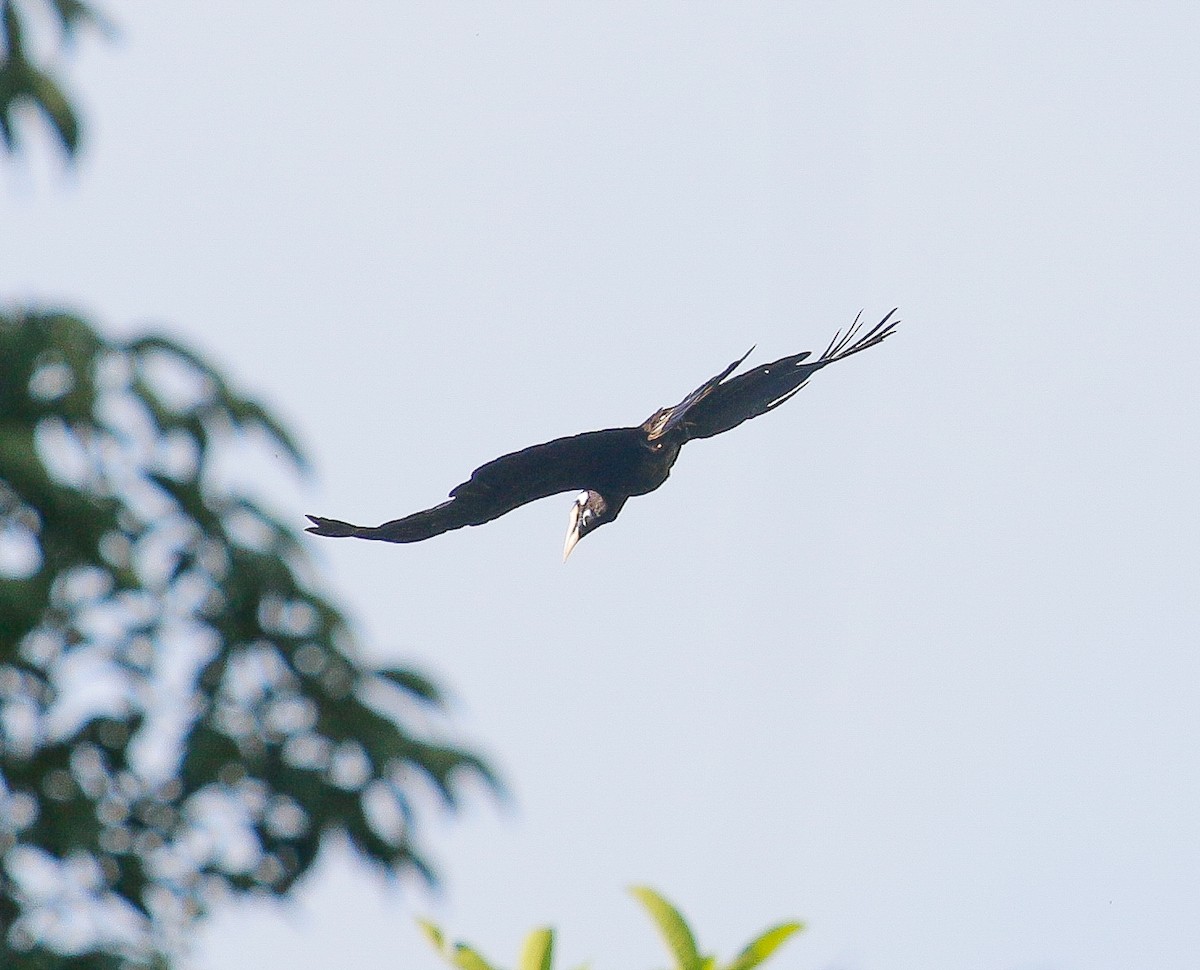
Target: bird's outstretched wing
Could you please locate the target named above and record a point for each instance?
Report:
(728, 403)
(573, 463)
(665, 420)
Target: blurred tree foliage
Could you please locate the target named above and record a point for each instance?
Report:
(26, 80)
(537, 953)
(181, 712)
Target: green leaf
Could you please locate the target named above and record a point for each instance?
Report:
(14, 47)
(758, 949)
(7, 135)
(151, 342)
(457, 955)
(433, 933)
(413, 683)
(538, 952)
(672, 926)
(74, 13)
(22, 80)
(466, 958)
(57, 109)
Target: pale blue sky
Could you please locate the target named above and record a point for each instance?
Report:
(913, 659)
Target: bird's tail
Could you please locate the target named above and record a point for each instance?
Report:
(853, 340)
(452, 514)
(335, 527)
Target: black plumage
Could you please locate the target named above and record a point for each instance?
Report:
(609, 467)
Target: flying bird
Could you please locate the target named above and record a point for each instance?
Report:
(608, 467)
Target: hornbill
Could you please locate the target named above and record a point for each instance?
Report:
(608, 467)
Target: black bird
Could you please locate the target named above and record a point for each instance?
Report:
(608, 467)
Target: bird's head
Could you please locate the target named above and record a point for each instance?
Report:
(589, 511)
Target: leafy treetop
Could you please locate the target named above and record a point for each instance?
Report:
(182, 714)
